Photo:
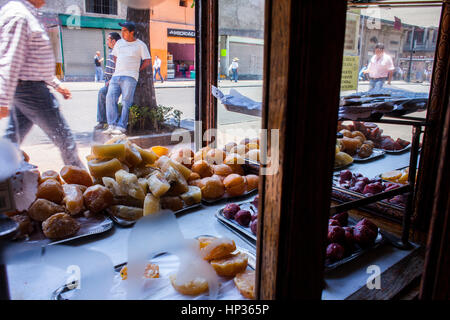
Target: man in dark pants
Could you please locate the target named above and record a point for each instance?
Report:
(28, 66)
(110, 66)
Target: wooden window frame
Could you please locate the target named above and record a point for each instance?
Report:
(292, 230)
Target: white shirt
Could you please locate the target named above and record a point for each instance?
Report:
(157, 63)
(380, 67)
(129, 56)
(26, 52)
(234, 65)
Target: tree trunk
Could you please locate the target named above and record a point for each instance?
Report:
(145, 90)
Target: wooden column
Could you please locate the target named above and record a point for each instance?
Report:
(302, 71)
(435, 183)
(206, 64)
(436, 109)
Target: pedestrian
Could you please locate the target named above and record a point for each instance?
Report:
(157, 69)
(27, 67)
(362, 76)
(234, 67)
(380, 68)
(110, 66)
(128, 54)
(98, 67)
(183, 68)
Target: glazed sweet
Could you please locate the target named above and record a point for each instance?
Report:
(60, 226)
(235, 184)
(172, 203)
(51, 190)
(49, 174)
(73, 199)
(104, 168)
(202, 168)
(97, 198)
(218, 248)
(42, 209)
(191, 288)
(252, 182)
(245, 282)
(212, 188)
(231, 265)
(109, 151)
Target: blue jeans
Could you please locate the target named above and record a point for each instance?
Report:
(234, 75)
(98, 74)
(33, 103)
(158, 71)
(124, 85)
(101, 105)
(376, 84)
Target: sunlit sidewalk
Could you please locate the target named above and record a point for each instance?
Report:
(95, 86)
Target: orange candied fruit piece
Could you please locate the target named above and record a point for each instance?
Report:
(160, 150)
(151, 271)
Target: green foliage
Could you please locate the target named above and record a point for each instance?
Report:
(177, 116)
(145, 118)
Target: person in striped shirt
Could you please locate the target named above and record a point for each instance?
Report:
(27, 66)
(110, 66)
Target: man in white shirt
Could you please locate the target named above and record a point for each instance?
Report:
(234, 66)
(157, 69)
(380, 68)
(128, 53)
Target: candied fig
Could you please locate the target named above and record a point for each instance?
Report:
(341, 217)
(366, 222)
(76, 175)
(243, 217)
(97, 198)
(336, 234)
(359, 186)
(373, 188)
(363, 235)
(345, 175)
(335, 251)
(255, 201)
(334, 222)
(50, 190)
(230, 210)
(348, 235)
(254, 226)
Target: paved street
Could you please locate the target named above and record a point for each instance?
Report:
(80, 113)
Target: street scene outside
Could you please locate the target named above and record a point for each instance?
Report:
(80, 113)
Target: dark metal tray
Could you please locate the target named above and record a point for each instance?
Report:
(89, 226)
(398, 151)
(227, 197)
(358, 252)
(233, 225)
(129, 223)
(376, 153)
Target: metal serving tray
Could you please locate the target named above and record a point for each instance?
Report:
(129, 223)
(89, 226)
(376, 153)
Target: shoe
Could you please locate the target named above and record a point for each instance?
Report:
(118, 131)
(100, 126)
(109, 130)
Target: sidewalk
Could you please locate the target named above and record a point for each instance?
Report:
(95, 86)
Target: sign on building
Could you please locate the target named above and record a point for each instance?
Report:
(349, 78)
(180, 33)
